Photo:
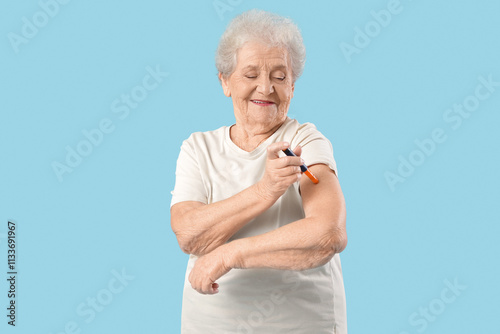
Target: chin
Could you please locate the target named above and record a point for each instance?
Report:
(266, 118)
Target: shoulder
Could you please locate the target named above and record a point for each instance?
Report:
(316, 148)
(301, 133)
(205, 139)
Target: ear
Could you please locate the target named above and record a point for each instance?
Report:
(293, 88)
(225, 85)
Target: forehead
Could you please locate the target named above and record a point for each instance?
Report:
(256, 55)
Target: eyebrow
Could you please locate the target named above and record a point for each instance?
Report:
(254, 67)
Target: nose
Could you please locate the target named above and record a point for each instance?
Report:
(265, 86)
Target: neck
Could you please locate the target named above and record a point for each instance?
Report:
(249, 138)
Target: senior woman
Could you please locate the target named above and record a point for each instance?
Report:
(263, 240)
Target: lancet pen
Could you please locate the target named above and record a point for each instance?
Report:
(303, 167)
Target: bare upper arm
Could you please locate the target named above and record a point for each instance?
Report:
(323, 200)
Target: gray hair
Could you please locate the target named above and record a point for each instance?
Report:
(261, 26)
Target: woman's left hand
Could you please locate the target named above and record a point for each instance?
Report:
(207, 269)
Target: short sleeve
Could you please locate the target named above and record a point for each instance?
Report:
(316, 148)
(189, 184)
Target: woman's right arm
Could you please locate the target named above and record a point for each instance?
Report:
(200, 228)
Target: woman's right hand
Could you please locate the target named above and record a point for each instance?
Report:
(281, 172)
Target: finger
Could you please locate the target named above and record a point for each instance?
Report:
(273, 149)
(287, 171)
(195, 283)
(287, 161)
(199, 287)
(208, 287)
(196, 287)
(213, 287)
(298, 150)
(291, 178)
(297, 177)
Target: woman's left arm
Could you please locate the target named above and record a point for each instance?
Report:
(307, 243)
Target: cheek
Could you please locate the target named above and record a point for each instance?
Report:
(246, 91)
(286, 95)
(241, 89)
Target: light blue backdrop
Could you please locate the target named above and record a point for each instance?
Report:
(384, 81)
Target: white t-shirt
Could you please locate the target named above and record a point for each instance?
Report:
(211, 168)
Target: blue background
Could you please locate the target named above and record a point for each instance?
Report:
(112, 211)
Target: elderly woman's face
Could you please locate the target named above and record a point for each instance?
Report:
(261, 85)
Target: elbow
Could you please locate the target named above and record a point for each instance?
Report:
(340, 243)
(329, 243)
(189, 245)
(184, 239)
(336, 242)
(185, 246)
(184, 243)
(195, 242)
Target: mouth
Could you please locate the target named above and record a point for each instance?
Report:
(262, 103)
